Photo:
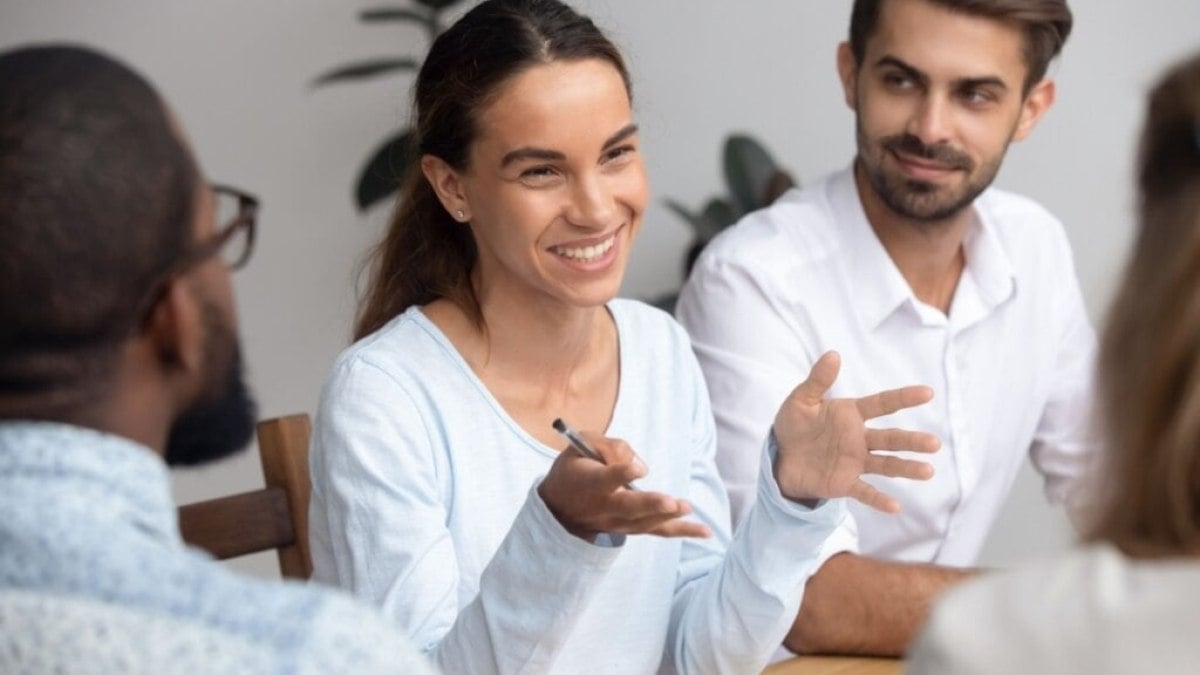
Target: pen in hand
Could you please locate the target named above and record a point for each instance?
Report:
(579, 445)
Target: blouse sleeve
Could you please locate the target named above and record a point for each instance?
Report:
(737, 597)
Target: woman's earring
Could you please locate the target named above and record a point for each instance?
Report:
(461, 216)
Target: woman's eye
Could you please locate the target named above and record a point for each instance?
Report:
(539, 175)
(619, 153)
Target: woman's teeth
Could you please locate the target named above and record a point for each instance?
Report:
(585, 253)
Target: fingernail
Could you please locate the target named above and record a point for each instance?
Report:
(640, 465)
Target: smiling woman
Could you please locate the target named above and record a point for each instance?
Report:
(554, 188)
(439, 488)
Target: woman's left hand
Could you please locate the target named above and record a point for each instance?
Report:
(825, 446)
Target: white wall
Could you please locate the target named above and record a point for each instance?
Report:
(238, 75)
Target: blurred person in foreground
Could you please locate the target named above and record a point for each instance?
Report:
(1126, 601)
(119, 357)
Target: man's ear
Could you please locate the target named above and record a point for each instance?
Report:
(1034, 107)
(176, 330)
(448, 185)
(847, 67)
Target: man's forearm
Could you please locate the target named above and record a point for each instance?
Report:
(858, 605)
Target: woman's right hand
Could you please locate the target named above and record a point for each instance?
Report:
(588, 497)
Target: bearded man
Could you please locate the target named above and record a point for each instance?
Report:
(917, 271)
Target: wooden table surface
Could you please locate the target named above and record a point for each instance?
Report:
(836, 665)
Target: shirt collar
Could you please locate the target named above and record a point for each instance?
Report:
(987, 261)
(880, 288)
(77, 460)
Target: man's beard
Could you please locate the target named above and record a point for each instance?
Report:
(916, 200)
(222, 423)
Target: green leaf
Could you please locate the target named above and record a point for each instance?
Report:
(749, 169)
(715, 216)
(385, 171)
(718, 214)
(682, 211)
(780, 183)
(395, 14)
(365, 69)
(436, 4)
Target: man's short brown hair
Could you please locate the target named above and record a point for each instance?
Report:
(1045, 23)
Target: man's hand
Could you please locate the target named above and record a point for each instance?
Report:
(588, 497)
(825, 446)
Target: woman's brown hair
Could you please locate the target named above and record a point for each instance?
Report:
(426, 254)
(1150, 351)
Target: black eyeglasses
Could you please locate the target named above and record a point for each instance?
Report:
(235, 213)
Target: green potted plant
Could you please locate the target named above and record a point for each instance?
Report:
(380, 176)
(753, 179)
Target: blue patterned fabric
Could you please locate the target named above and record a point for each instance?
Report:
(95, 578)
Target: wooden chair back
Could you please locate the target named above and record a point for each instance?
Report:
(275, 517)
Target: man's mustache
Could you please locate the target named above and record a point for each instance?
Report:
(942, 154)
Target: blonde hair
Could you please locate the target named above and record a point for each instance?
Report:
(1150, 350)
